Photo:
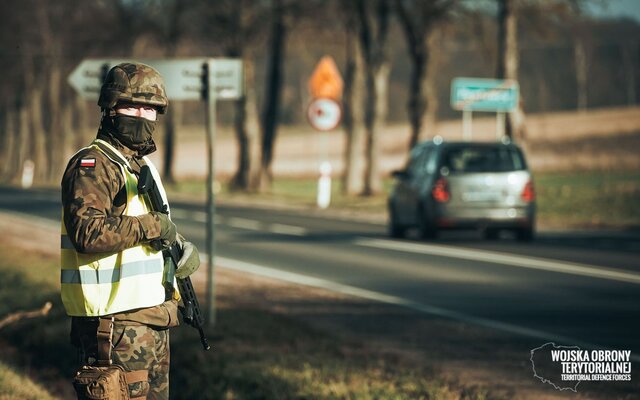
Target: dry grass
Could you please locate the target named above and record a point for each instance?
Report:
(15, 385)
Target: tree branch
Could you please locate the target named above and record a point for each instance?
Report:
(17, 316)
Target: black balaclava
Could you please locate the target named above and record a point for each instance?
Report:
(133, 132)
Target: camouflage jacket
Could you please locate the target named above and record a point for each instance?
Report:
(94, 199)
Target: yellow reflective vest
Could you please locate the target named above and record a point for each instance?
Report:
(99, 284)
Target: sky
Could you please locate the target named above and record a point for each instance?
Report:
(617, 8)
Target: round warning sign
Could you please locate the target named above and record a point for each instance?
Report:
(324, 114)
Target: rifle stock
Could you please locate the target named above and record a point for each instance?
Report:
(191, 313)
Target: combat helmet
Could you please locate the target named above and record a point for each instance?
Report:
(134, 83)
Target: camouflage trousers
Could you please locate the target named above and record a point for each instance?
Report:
(135, 347)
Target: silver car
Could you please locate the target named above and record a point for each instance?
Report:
(463, 185)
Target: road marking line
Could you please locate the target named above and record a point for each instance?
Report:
(198, 216)
(287, 230)
(183, 214)
(504, 259)
(243, 223)
(300, 279)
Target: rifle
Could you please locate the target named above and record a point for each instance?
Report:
(190, 310)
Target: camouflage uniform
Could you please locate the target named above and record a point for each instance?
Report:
(94, 201)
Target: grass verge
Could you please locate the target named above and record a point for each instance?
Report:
(258, 354)
(597, 199)
(16, 386)
(564, 199)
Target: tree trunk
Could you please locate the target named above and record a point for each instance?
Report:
(253, 130)
(373, 23)
(14, 144)
(245, 126)
(417, 93)
(508, 62)
(6, 126)
(81, 123)
(24, 139)
(582, 74)
(272, 98)
(431, 84)
(37, 151)
(630, 68)
(66, 125)
(375, 117)
(352, 182)
(172, 121)
(56, 136)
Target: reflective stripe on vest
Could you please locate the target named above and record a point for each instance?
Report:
(106, 283)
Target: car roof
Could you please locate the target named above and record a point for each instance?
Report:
(430, 143)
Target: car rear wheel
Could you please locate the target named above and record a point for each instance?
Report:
(426, 228)
(525, 234)
(395, 229)
(491, 234)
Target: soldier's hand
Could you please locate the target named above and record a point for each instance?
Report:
(167, 229)
(189, 262)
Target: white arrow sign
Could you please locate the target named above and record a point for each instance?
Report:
(182, 77)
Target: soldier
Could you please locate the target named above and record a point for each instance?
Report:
(112, 265)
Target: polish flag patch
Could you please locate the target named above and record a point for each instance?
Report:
(88, 162)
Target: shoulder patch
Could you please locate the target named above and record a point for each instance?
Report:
(87, 162)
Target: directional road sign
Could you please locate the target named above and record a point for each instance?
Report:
(324, 114)
(475, 94)
(182, 77)
(228, 78)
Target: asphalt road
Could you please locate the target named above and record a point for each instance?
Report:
(575, 288)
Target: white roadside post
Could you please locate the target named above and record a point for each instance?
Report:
(324, 185)
(28, 169)
(208, 79)
(324, 115)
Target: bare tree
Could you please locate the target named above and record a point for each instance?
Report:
(172, 34)
(630, 52)
(508, 59)
(271, 106)
(238, 26)
(373, 19)
(418, 19)
(352, 104)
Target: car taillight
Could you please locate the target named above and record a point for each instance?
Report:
(440, 191)
(528, 193)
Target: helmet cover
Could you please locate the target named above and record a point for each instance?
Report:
(133, 83)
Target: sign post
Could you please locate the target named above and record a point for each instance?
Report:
(477, 94)
(222, 79)
(208, 79)
(324, 114)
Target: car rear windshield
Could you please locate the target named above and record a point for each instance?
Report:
(460, 159)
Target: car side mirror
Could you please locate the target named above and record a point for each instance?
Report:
(400, 174)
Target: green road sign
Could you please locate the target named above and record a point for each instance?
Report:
(475, 94)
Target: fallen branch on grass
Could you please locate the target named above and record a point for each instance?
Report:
(17, 316)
